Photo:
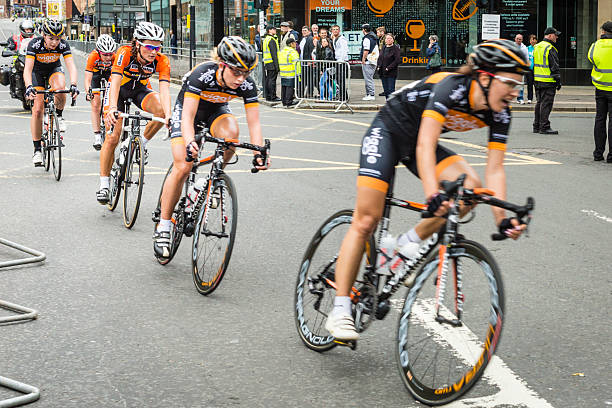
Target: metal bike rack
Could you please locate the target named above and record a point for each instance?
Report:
(31, 393)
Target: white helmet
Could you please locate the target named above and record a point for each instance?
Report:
(148, 31)
(106, 43)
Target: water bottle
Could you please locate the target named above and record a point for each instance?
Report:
(123, 151)
(387, 248)
(193, 192)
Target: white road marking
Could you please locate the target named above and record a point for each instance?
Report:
(513, 390)
(597, 215)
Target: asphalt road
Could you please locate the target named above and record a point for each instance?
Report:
(115, 329)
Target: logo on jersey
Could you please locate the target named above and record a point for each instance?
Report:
(120, 59)
(216, 97)
(462, 122)
(458, 93)
(246, 86)
(207, 76)
(370, 146)
(501, 117)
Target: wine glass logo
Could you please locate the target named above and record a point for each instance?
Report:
(380, 7)
(415, 30)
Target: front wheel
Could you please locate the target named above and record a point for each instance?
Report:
(133, 182)
(316, 287)
(442, 354)
(55, 151)
(214, 234)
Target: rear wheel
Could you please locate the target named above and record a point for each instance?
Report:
(133, 182)
(178, 223)
(442, 355)
(214, 234)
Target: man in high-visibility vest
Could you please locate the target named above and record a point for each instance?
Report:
(287, 59)
(270, 59)
(547, 76)
(600, 55)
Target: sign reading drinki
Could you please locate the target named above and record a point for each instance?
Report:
(490, 26)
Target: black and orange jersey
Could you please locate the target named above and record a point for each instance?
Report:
(133, 72)
(44, 58)
(204, 84)
(448, 98)
(95, 64)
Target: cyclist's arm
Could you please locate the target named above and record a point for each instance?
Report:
(427, 141)
(252, 116)
(190, 108)
(27, 71)
(88, 77)
(72, 71)
(495, 179)
(164, 95)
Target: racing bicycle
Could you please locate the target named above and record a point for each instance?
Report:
(208, 211)
(102, 91)
(51, 138)
(452, 312)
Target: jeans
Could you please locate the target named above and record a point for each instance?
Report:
(603, 104)
(368, 76)
(388, 85)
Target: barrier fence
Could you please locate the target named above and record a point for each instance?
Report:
(320, 81)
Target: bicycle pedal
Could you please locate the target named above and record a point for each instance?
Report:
(352, 344)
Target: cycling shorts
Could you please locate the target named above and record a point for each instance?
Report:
(380, 153)
(96, 80)
(138, 94)
(40, 77)
(204, 117)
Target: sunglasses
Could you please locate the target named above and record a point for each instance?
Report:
(238, 72)
(106, 54)
(511, 83)
(150, 47)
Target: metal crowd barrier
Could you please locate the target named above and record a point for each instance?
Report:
(258, 73)
(323, 82)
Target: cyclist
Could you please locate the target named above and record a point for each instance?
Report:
(26, 30)
(407, 129)
(98, 66)
(134, 65)
(203, 99)
(43, 67)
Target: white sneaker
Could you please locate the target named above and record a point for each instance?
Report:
(62, 124)
(37, 159)
(342, 326)
(521, 102)
(368, 98)
(529, 101)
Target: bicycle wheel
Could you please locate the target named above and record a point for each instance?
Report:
(115, 186)
(55, 150)
(214, 234)
(45, 142)
(315, 288)
(133, 182)
(178, 222)
(440, 361)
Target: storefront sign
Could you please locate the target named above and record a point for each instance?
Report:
(55, 9)
(490, 26)
(380, 7)
(326, 6)
(354, 39)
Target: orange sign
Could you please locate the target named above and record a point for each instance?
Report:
(380, 7)
(415, 30)
(464, 9)
(323, 6)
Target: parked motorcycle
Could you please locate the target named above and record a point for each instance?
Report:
(12, 75)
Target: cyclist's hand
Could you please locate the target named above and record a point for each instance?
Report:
(191, 149)
(74, 91)
(168, 123)
(438, 204)
(258, 162)
(30, 93)
(111, 117)
(89, 95)
(511, 227)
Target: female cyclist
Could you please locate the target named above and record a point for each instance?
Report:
(134, 65)
(203, 99)
(407, 129)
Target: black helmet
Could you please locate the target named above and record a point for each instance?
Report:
(499, 55)
(236, 52)
(53, 27)
(26, 25)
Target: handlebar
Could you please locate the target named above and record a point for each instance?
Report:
(139, 115)
(48, 92)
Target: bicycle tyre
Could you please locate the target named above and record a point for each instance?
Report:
(133, 182)
(45, 142)
(314, 335)
(115, 187)
(468, 357)
(56, 150)
(176, 233)
(203, 234)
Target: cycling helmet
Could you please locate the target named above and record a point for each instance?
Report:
(236, 52)
(499, 55)
(26, 25)
(148, 31)
(105, 43)
(53, 27)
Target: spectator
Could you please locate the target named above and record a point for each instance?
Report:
(295, 34)
(533, 40)
(388, 62)
(600, 55)
(325, 52)
(518, 39)
(369, 59)
(257, 40)
(434, 55)
(173, 42)
(270, 59)
(315, 32)
(307, 47)
(285, 35)
(547, 77)
(340, 44)
(380, 33)
(287, 60)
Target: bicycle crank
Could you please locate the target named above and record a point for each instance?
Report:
(352, 344)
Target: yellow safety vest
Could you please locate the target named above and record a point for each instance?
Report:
(286, 60)
(541, 69)
(267, 55)
(600, 55)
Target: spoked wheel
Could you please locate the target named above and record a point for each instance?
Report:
(178, 222)
(133, 182)
(116, 179)
(55, 148)
(44, 141)
(316, 288)
(214, 235)
(442, 355)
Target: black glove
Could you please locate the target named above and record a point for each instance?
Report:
(506, 224)
(30, 91)
(89, 96)
(435, 201)
(74, 90)
(558, 86)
